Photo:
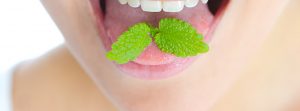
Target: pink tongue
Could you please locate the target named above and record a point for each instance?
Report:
(153, 56)
(119, 17)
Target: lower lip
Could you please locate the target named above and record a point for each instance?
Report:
(155, 72)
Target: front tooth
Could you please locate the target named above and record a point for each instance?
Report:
(204, 1)
(173, 6)
(151, 5)
(134, 3)
(123, 2)
(191, 3)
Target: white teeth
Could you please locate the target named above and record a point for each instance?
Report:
(191, 3)
(173, 6)
(158, 5)
(151, 5)
(123, 2)
(134, 3)
(204, 1)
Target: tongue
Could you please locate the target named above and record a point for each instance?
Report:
(119, 17)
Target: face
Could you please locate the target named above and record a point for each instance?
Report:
(157, 81)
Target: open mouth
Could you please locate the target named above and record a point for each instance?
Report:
(115, 16)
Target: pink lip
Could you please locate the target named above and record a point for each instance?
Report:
(155, 71)
(152, 64)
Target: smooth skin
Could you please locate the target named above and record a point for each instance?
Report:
(252, 67)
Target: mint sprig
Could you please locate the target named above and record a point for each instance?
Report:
(130, 44)
(179, 38)
(173, 36)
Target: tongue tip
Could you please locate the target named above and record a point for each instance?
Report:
(153, 56)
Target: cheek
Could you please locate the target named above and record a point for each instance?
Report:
(75, 21)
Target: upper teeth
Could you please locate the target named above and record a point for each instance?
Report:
(159, 5)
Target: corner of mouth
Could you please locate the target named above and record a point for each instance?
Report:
(113, 18)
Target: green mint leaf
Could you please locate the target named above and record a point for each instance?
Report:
(179, 38)
(173, 36)
(130, 44)
(154, 31)
(200, 36)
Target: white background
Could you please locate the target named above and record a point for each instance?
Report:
(26, 31)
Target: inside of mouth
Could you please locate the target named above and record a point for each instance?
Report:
(215, 5)
(116, 18)
(102, 5)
